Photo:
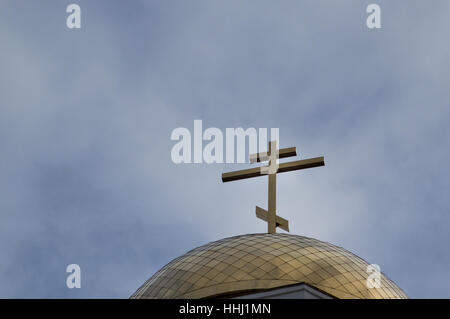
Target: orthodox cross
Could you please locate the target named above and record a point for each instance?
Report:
(272, 169)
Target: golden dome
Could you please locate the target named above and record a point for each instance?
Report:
(258, 262)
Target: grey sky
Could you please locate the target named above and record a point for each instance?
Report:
(86, 117)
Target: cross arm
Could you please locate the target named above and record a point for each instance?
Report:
(282, 168)
(280, 221)
(282, 153)
(242, 174)
(302, 164)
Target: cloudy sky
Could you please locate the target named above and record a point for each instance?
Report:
(86, 115)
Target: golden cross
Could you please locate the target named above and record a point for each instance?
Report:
(272, 156)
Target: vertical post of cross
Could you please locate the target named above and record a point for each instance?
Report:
(272, 204)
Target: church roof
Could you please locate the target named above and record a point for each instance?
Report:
(258, 262)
